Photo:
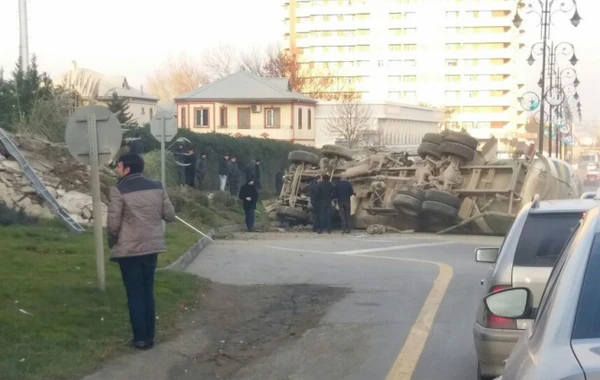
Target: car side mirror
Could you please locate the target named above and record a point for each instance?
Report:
(512, 303)
(486, 255)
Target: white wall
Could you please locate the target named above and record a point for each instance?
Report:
(142, 111)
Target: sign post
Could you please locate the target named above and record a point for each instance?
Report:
(94, 145)
(163, 127)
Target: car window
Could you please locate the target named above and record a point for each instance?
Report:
(543, 237)
(587, 319)
(553, 279)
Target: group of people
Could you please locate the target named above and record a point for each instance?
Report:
(323, 195)
(230, 173)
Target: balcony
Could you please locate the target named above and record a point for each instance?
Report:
(481, 85)
(483, 6)
(337, 40)
(507, 37)
(484, 69)
(506, 116)
(483, 101)
(509, 53)
(480, 21)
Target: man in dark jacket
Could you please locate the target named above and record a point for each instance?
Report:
(136, 210)
(190, 169)
(325, 195)
(201, 170)
(233, 176)
(279, 181)
(253, 171)
(314, 186)
(223, 170)
(249, 196)
(343, 192)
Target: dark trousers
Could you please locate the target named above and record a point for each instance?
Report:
(138, 277)
(324, 217)
(189, 179)
(345, 214)
(233, 188)
(250, 212)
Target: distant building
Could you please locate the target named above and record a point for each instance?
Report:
(244, 104)
(92, 85)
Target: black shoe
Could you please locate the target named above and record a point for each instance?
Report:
(143, 345)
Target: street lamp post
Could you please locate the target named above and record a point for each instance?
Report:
(547, 9)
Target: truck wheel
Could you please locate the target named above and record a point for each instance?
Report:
(455, 149)
(292, 213)
(440, 210)
(461, 138)
(407, 204)
(413, 191)
(442, 197)
(429, 149)
(301, 156)
(333, 151)
(434, 138)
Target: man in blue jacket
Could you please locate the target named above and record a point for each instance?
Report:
(343, 192)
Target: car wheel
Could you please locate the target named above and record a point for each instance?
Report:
(480, 376)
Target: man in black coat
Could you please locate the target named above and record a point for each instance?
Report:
(314, 186)
(325, 195)
(190, 169)
(249, 196)
(223, 171)
(343, 192)
(253, 171)
(201, 171)
(233, 176)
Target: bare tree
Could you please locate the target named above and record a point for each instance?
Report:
(221, 60)
(255, 59)
(177, 76)
(351, 121)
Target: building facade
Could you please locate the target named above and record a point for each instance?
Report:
(244, 104)
(463, 55)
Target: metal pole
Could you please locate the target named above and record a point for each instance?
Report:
(550, 106)
(163, 158)
(97, 200)
(545, 26)
(23, 35)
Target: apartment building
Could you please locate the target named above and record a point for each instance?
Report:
(464, 55)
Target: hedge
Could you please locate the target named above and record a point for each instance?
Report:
(272, 153)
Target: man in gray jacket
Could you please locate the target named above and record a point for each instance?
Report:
(137, 207)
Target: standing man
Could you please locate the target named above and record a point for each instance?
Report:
(343, 192)
(314, 186)
(190, 169)
(223, 170)
(253, 171)
(325, 195)
(279, 181)
(233, 174)
(249, 196)
(136, 210)
(201, 170)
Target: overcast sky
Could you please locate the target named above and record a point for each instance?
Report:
(134, 37)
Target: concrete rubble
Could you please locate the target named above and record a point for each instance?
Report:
(66, 179)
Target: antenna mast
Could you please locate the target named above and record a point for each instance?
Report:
(23, 34)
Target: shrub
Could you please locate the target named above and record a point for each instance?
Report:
(224, 199)
(10, 217)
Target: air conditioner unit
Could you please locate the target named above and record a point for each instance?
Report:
(256, 108)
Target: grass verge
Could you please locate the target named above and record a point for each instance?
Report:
(54, 323)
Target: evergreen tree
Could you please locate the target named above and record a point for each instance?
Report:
(120, 106)
(7, 102)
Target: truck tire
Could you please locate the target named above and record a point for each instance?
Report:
(460, 138)
(292, 213)
(440, 210)
(302, 156)
(413, 191)
(442, 197)
(332, 151)
(407, 204)
(429, 149)
(434, 138)
(459, 150)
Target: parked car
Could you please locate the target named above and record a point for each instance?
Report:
(563, 342)
(525, 259)
(591, 166)
(592, 177)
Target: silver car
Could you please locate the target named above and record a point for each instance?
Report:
(525, 259)
(563, 342)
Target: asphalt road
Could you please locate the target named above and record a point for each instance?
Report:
(409, 315)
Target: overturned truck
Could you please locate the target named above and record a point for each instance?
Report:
(452, 184)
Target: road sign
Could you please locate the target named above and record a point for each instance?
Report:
(163, 121)
(93, 136)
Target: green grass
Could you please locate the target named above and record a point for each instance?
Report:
(51, 273)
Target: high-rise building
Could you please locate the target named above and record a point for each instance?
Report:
(463, 55)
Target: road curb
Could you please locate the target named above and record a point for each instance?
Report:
(186, 259)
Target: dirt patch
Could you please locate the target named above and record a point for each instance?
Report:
(245, 323)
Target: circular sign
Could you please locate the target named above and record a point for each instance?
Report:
(108, 134)
(555, 96)
(530, 101)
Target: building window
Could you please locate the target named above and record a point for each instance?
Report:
(244, 118)
(299, 118)
(151, 113)
(183, 117)
(201, 117)
(273, 117)
(223, 117)
(143, 111)
(309, 119)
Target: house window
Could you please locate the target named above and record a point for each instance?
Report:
(309, 119)
(202, 117)
(151, 113)
(244, 118)
(223, 117)
(273, 117)
(183, 117)
(299, 118)
(143, 111)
